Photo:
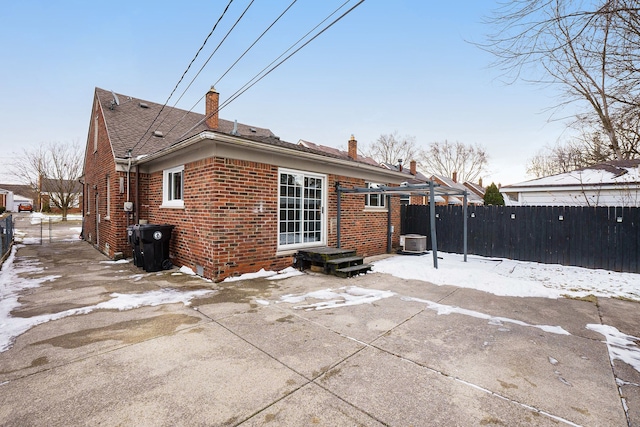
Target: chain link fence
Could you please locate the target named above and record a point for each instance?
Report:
(38, 230)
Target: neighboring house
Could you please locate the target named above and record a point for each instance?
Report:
(19, 194)
(413, 176)
(52, 190)
(6, 199)
(614, 183)
(473, 198)
(240, 198)
(478, 189)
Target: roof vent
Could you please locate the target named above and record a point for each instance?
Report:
(158, 133)
(253, 130)
(143, 105)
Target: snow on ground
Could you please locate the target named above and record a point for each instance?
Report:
(497, 276)
(269, 275)
(512, 278)
(12, 285)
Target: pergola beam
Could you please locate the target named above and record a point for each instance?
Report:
(432, 189)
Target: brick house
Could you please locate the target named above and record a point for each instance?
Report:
(240, 198)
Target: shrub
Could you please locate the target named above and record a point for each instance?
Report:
(2, 209)
(492, 196)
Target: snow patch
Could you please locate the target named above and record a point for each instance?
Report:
(344, 297)
(506, 277)
(621, 346)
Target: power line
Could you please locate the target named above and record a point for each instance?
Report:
(259, 77)
(197, 74)
(243, 54)
(185, 72)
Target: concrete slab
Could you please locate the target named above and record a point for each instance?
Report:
(401, 393)
(208, 377)
(564, 375)
(365, 322)
(312, 405)
(58, 343)
(623, 315)
(240, 357)
(304, 346)
(571, 315)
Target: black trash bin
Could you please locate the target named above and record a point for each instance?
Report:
(154, 240)
(133, 235)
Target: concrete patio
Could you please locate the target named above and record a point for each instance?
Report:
(241, 356)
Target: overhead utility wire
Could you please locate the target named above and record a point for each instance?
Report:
(249, 84)
(184, 73)
(200, 70)
(240, 57)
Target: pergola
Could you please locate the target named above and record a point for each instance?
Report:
(430, 189)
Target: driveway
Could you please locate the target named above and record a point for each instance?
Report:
(104, 344)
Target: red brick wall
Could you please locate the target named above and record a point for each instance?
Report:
(229, 222)
(110, 235)
(361, 229)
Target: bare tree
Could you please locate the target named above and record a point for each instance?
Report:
(389, 148)
(561, 158)
(589, 49)
(444, 158)
(52, 169)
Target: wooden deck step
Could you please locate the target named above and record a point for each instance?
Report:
(353, 270)
(345, 260)
(340, 262)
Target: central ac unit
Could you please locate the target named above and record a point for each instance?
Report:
(415, 243)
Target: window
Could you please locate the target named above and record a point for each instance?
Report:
(172, 187)
(374, 200)
(302, 197)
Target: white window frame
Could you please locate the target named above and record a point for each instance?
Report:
(170, 200)
(380, 204)
(302, 221)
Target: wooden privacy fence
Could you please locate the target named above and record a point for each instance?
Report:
(602, 237)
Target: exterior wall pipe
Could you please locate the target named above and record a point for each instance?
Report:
(338, 190)
(432, 214)
(389, 231)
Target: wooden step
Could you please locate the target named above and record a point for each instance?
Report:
(353, 270)
(333, 265)
(345, 260)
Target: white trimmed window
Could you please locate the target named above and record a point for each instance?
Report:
(172, 187)
(302, 197)
(374, 200)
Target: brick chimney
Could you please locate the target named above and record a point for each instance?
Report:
(353, 148)
(480, 182)
(455, 177)
(412, 167)
(211, 108)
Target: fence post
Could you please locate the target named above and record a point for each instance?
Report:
(49, 229)
(432, 214)
(41, 230)
(464, 228)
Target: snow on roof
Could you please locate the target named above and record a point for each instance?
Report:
(619, 172)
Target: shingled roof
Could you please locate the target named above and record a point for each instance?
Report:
(127, 125)
(128, 128)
